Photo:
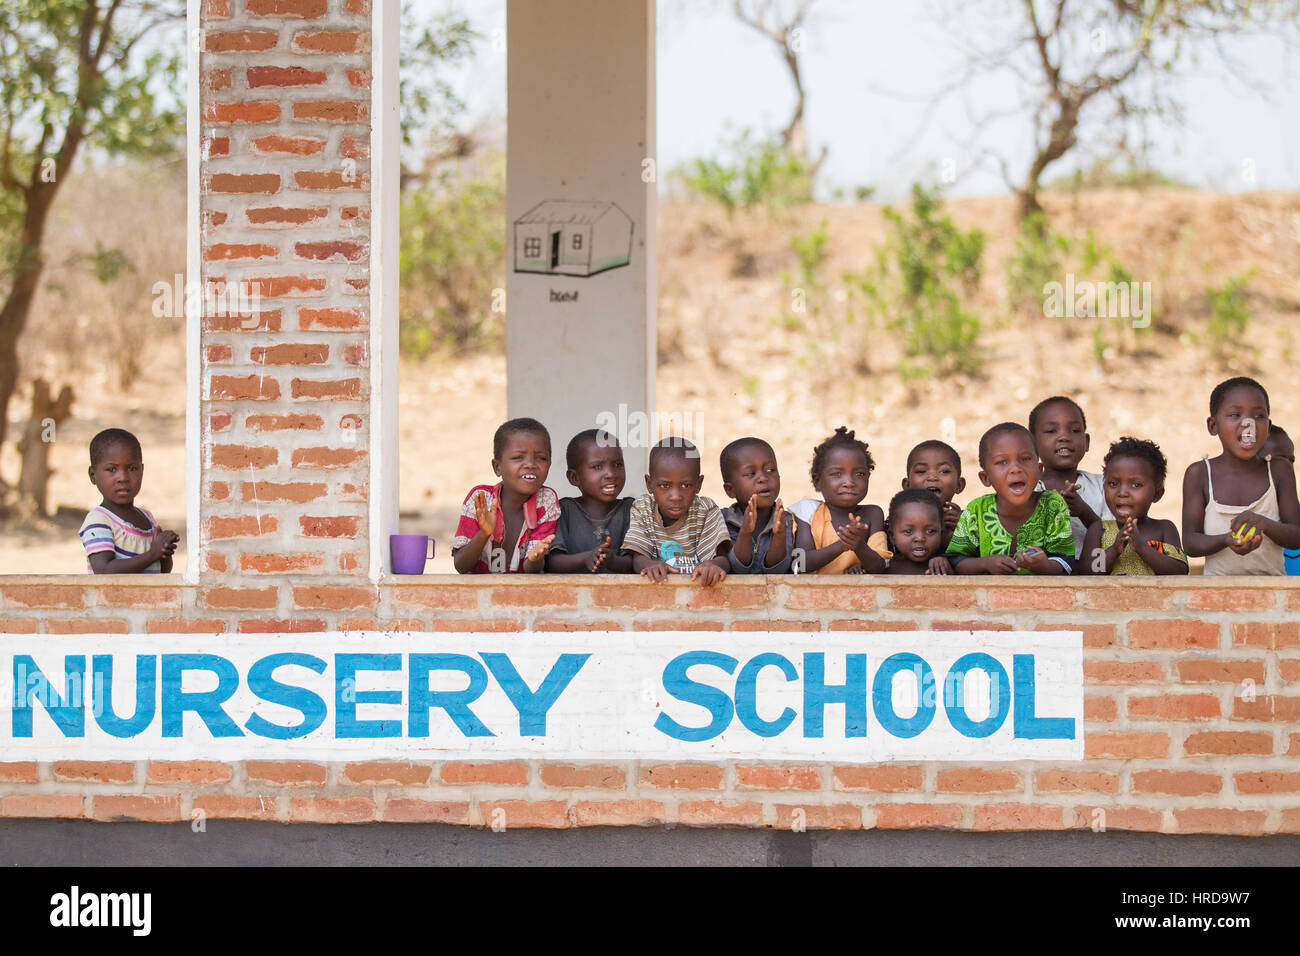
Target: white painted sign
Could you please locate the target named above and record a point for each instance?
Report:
(844, 697)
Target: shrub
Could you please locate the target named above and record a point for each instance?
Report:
(750, 172)
(1229, 317)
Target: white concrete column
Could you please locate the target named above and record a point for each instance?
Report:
(580, 218)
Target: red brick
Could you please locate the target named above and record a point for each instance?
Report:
(619, 813)
(886, 778)
(718, 813)
(977, 780)
(242, 457)
(301, 9)
(1128, 596)
(677, 624)
(839, 816)
(283, 76)
(332, 111)
(296, 626)
(402, 810)
(506, 774)
(854, 597)
(216, 80)
(1288, 669)
(330, 179)
(970, 626)
(286, 772)
(1235, 822)
(87, 625)
(1100, 708)
(1029, 599)
(470, 625)
(353, 148)
(267, 321)
(188, 771)
(330, 810)
(1098, 635)
(1270, 636)
(326, 458)
(331, 320)
(48, 805)
(571, 777)
(1075, 781)
(292, 145)
(1126, 745)
(325, 251)
(1119, 818)
(18, 771)
(550, 814)
(1231, 599)
(265, 111)
(641, 596)
(177, 625)
(355, 354)
(934, 598)
(279, 423)
(331, 41)
(1018, 816)
(18, 626)
(94, 771)
(217, 146)
(535, 597)
(1290, 821)
(682, 776)
(242, 599)
(1218, 743)
(358, 77)
(917, 816)
(239, 41)
(438, 596)
(1175, 707)
(778, 778)
(44, 596)
(1182, 783)
(558, 625)
(237, 388)
(266, 183)
(1267, 707)
(225, 807)
(151, 809)
(322, 527)
(334, 597)
(280, 563)
(297, 492)
(219, 353)
(281, 287)
(282, 216)
(388, 772)
(1270, 781)
(1294, 749)
(216, 9)
(1220, 671)
(1123, 672)
(343, 389)
(290, 354)
(1173, 635)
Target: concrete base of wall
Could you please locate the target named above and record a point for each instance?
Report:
(246, 843)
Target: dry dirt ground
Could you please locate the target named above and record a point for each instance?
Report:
(728, 352)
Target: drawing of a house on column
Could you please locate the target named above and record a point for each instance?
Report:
(575, 238)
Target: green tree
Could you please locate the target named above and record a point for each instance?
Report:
(74, 75)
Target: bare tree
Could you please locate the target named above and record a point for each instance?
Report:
(784, 23)
(1106, 65)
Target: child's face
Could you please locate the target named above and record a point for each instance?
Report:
(674, 482)
(934, 470)
(1011, 467)
(601, 474)
(1131, 487)
(118, 474)
(1242, 422)
(754, 475)
(524, 463)
(844, 477)
(916, 531)
(1060, 436)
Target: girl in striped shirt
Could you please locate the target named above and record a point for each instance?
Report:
(120, 538)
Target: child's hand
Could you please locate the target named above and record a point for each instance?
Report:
(851, 533)
(597, 557)
(751, 516)
(1034, 559)
(1124, 535)
(657, 572)
(778, 523)
(1001, 564)
(939, 566)
(536, 552)
(485, 514)
(164, 543)
(951, 515)
(1245, 534)
(1072, 500)
(709, 574)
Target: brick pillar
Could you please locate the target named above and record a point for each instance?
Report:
(285, 205)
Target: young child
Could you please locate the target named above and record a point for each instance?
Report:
(839, 537)
(673, 529)
(762, 532)
(510, 526)
(1018, 529)
(915, 526)
(1279, 445)
(1060, 433)
(120, 538)
(589, 534)
(936, 466)
(1239, 511)
(1132, 542)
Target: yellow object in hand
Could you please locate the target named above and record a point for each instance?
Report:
(1244, 534)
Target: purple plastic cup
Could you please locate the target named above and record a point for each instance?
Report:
(409, 552)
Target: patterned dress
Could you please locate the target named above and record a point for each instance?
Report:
(980, 532)
(1129, 561)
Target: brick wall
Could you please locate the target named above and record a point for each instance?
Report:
(1173, 741)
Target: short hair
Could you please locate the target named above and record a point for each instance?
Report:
(1003, 428)
(1223, 388)
(1062, 399)
(598, 436)
(934, 443)
(727, 460)
(673, 447)
(917, 496)
(843, 438)
(109, 437)
(517, 426)
(1148, 451)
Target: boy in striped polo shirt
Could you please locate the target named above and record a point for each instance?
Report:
(672, 529)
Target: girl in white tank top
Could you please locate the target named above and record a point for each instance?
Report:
(1268, 557)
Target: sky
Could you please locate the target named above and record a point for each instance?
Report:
(871, 70)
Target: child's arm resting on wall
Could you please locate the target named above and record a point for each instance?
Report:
(161, 550)
(1166, 558)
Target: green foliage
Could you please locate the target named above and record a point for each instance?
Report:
(918, 285)
(1229, 317)
(429, 102)
(453, 266)
(1106, 174)
(1035, 261)
(749, 173)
